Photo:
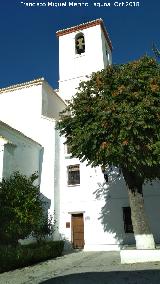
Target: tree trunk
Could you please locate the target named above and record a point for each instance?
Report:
(143, 236)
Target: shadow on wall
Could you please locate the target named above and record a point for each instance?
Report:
(47, 203)
(115, 198)
(41, 154)
(121, 277)
(68, 248)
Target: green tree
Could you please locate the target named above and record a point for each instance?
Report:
(21, 207)
(115, 120)
(156, 51)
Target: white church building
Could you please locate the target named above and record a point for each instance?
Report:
(91, 213)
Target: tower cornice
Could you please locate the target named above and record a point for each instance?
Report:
(86, 26)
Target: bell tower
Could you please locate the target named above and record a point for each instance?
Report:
(83, 49)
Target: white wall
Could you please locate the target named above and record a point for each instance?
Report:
(102, 207)
(32, 110)
(2, 144)
(21, 108)
(52, 104)
(152, 202)
(20, 153)
(74, 67)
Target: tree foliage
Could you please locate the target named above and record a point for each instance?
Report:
(21, 207)
(156, 51)
(115, 118)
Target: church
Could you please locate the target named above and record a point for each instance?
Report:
(91, 213)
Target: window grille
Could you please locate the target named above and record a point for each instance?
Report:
(73, 174)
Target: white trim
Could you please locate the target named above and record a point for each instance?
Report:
(22, 85)
(48, 118)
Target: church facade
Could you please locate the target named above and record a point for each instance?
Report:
(91, 214)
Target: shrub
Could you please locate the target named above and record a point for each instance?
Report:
(21, 207)
(44, 227)
(20, 256)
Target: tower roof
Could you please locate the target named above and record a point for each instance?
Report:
(86, 26)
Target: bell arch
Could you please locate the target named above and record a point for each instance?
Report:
(79, 43)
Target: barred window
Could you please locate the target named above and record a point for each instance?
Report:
(73, 174)
(128, 227)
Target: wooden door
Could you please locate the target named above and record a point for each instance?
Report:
(77, 230)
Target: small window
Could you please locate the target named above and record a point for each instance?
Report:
(128, 227)
(80, 44)
(73, 175)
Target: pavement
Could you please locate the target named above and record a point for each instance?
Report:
(85, 268)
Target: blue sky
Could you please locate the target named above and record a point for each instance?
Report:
(29, 47)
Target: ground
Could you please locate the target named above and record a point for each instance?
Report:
(85, 268)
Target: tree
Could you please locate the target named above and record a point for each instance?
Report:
(21, 207)
(115, 118)
(156, 51)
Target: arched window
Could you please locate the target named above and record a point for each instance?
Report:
(79, 43)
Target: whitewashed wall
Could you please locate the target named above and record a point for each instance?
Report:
(33, 110)
(19, 153)
(102, 207)
(74, 67)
